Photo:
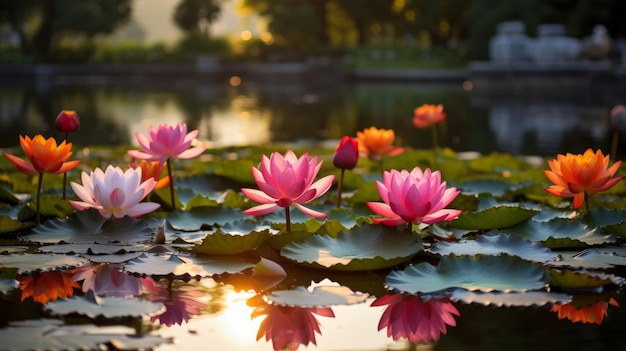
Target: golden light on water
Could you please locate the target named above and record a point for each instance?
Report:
(236, 318)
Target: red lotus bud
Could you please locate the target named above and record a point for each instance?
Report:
(67, 121)
(347, 153)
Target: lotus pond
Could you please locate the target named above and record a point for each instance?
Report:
(518, 268)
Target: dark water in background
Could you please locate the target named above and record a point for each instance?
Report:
(538, 123)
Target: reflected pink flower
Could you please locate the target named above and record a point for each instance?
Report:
(286, 180)
(167, 141)
(114, 193)
(410, 317)
(287, 326)
(47, 286)
(108, 280)
(180, 303)
(415, 197)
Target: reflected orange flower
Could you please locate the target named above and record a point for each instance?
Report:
(591, 314)
(416, 319)
(427, 115)
(152, 169)
(47, 286)
(288, 327)
(44, 156)
(579, 175)
(375, 143)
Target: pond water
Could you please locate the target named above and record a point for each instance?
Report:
(541, 123)
(219, 311)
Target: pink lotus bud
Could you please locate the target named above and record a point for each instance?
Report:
(67, 121)
(346, 153)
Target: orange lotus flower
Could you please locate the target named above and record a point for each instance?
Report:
(154, 170)
(47, 286)
(375, 143)
(427, 115)
(579, 175)
(44, 156)
(591, 314)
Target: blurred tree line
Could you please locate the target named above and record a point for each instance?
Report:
(301, 28)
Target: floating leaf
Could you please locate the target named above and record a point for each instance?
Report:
(493, 187)
(486, 273)
(612, 256)
(10, 225)
(321, 296)
(50, 334)
(502, 216)
(93, 249)
(510, 299)
(161, 265)
(560, 233)
(27, 263)
(568, 279)
(234, 238)
(90, 227)
(200, 217)
(495, 244)
(362, 248)
(613, 221)
(94, 306)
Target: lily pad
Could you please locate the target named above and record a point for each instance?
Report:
(363, 248)
(92, 249)
(569, 279)
(234, 238)
(27, 263)
(487, 273)
(201, 217)
(501, 216)
(51, 334)
(493, 187)
(495, 245)
(510, 299)
(161, 265)
(321, 296)
(561, 233)
(10, 225)
(90, 227)
(94, 306)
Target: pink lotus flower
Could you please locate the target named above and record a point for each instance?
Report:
(114, 193)
(286, 180)
(288, 326)
(415, 197)
(107, 279)
(167, 141)
(410, 317)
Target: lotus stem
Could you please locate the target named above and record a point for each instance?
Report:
(169, 173)
(587, 206)
(339, 188)
(67, 136)
(37, 206)
(287, 219)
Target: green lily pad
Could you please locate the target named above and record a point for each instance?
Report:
(94, 306)
(10, 225)
(321, 296)
(487, 273)
(493, 187)
(51, 334)
(93, 249)
(202, 217)
(234, 238)
(496, 244)
(561, 233)
(501, 216)
(510, 299)
(172, 265)
(569, 279)
(27, 263)
(7, 196)
(90, 227)
(613, 221)
(363, 248)
(611, 256)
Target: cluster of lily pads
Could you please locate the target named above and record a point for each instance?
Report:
(510, 244)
